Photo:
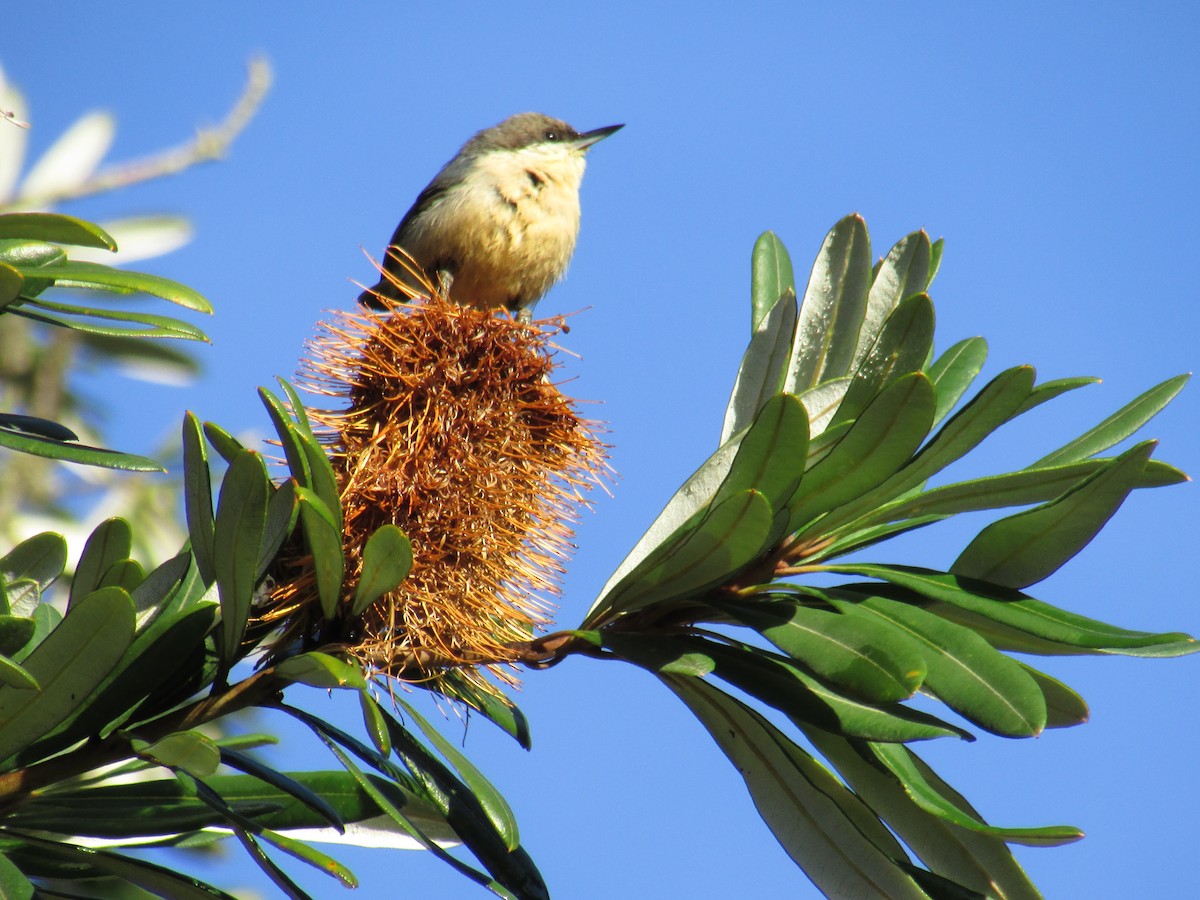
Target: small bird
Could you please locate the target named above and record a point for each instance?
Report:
(496, 227)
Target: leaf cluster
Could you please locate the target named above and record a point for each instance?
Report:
(840, 416)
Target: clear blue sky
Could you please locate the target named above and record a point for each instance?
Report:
(1058, 152)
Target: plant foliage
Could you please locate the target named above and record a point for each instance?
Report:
(840, 419)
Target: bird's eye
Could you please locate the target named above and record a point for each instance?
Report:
(551, 135)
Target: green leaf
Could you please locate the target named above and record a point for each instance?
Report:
(111, 541)
(770, 276)
(882, 439)
(40, 558)
(493, 803)
(996, 404)
(1012, 489)
(283, 509)
(324, 482)
(1024, 548)
(1120, 425)
(1012, 608)
(770, 458)
(501, 711)
(80, 454)
(237, 539)
(773, 680)
(856, 653)
(324, 538)
(55, 228)
(155, 326)
(222, 441)
(901, 348)
(310, 855)
(904, 271)
(12, 283)
(283, 783)
(161, 654)
(822, 403)
(15, 676)
(954, 371)
(730, 537)
(187, 750)
(1043, 393)
(905, 766)
(68, 664)
(40, 427)
(297, 409)
(374, 722)
(155, 879)
(387, 558)
(13, 883)
(321, 670)
(832, 310)
(92, 275)
(15, 633)
(980, 862)
(1064, 707)
(197, 493)
(964, 671)
(289, 439)
(826, 830)
(763, 365)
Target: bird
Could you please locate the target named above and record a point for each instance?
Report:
(496, 227)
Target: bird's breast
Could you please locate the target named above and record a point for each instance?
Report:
(508, 227)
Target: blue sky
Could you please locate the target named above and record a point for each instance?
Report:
(1055, 147)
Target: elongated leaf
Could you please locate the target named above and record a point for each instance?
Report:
(83, 274)
(954, 371)
(387, 558)
(285, 784)
(80, 454)
(493, 803)
(374, 722)
(72, 660)
(1047, 391)
(1024, 548)
(297, 409)
(153, 878)
(13, 883)
(289, 439)
(731, 536)
(112, 540)
(882, 439)
(55, 228)
(904, 765)
(904, 271)
(832, 310)
(322, 670)
(283, 509)
(822, 402)
(1013, 489)
(1012, 608)
(197, 493)
(996, 404)
(15, 676)
(691, 499)
(324, 482)
(770, 458)
(325, 543)
(511, 867)
(238, 536)
(40, 558)
(1120, 425)
(303, 852)
(770, 277)
(501, 711)
(763, 366)
(188, 750)
(40, 427)
(964, 671)
(902, 347)
(825, 829)
(79, 318)
(856, 653)
(157, 656)
(978, 861)
(773, 680)
(1064, 707)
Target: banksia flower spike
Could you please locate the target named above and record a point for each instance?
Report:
(454, 431)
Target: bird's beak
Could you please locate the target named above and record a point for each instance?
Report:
(588, 138)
